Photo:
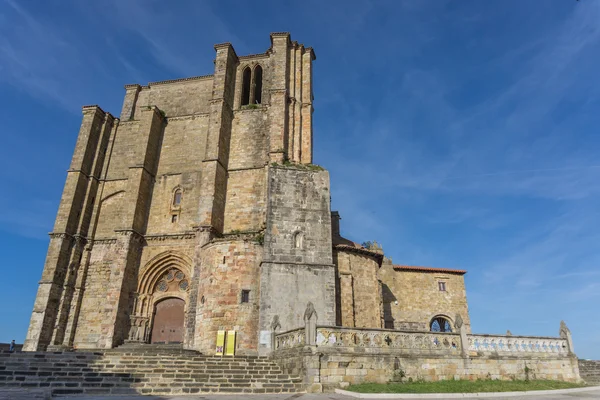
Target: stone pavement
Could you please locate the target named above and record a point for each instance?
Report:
(20, 394)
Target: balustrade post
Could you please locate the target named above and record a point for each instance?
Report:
(310, 325)
(464, 341)
(565, 333)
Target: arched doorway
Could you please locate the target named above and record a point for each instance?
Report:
(168, 321)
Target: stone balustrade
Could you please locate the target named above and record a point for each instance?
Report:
(331, 336)
(502, 344)
(423, 342)
(290, 339)
(334, 336)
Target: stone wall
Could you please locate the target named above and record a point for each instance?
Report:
(340, 367)
(359, 290)
(228, 267)
(297, 266)
(419, 298)
(590, 371)
(342, 356)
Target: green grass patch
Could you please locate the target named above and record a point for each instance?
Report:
(462, 386)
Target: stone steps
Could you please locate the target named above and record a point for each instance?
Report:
(589, 370)
(124, 372)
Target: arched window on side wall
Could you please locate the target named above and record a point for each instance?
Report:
(257, 84)
(177, 198)
(246, 77)
(440, 324)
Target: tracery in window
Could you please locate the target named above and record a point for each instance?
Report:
(172, 280)
(440, 324)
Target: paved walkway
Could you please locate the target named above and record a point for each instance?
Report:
(22, 394)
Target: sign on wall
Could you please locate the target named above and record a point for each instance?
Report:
(220, 343)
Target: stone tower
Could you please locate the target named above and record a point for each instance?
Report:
(197, 210)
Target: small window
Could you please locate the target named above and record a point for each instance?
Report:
(177, 198)
(174, 218)
(389, 324)
(442, 286)
(298, 240)
(245, 296)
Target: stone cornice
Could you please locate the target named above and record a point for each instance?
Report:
(171, 236)
(191, 78)
(359, 250)
(189, 116)
(60, 235)
(258, 55)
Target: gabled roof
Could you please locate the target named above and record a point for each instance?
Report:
(428, 269)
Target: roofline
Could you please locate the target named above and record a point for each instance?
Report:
(428, 269)
(360, 250)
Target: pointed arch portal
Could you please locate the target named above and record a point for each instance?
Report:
(161, 300)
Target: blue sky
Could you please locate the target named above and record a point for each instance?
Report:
(459, 134)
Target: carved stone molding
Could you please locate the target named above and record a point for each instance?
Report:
(177, 236)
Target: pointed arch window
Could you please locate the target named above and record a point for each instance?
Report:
(252, 85)
(257, 84)
(246, 79)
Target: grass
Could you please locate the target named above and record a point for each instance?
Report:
(462, 386)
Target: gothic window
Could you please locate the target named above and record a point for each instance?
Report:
(246, 75)
(298, 240)
(440, 324)
(251, 85)
(257, 85)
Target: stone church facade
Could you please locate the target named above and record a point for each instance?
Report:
(199, 209)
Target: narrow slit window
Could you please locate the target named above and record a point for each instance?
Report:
(442, 286)
(245, 296)
(174, 218)
(246, 75)
(258, 84)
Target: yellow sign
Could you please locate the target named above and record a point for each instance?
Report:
(230, 347)
(220, 343)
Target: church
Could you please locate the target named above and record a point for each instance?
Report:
(199, 209)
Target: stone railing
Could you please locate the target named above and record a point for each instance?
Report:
(460, 343)
(517, 344)
(290, 339)
(333, 336)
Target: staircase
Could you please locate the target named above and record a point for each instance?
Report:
(589, 370)
(156, 371)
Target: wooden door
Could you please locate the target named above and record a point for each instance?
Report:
(168, 321)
